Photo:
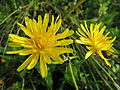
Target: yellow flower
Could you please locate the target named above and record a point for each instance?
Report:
(95, 40)
(43, 43)
(2, 60)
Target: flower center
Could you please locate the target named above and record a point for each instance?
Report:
(39, 43)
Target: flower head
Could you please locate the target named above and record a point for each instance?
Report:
(2, 60)
(95, 40)
(43, 43)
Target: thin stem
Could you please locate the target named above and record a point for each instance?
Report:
(116, 85)
(9, 16)
(23, 83)
(106, 82)
(32, 83)
(97, 86)
(74, 7)
(8, 40)
(74, 81)
(29, 5)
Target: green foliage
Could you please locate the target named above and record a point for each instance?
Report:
(68, 76)
(76, 72)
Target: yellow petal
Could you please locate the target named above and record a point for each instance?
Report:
(105, 47)
(57, 25)
(86, 25)
(102, 30)
(16, 38)
(89, 47)
(78, 33)
(107, 34)
(81, 33)
(27, 22)
(25, 52)
(89, 53)
(56, 58)
(50, 29)
(3, 60)
(43, 67)
(63, 42)
(95, 28)
(39, 24)
(57, 18)
(39, 20)
(14, 44)
(61, 50)
(33, 62)
(31, 27)
(106, 61)
(46, 58)
(98, 26)
(12, 52)
(86, 41)
(91, 28)
(26, 31)
(35, 27)
(21, 52)
(27, 45)
(25, 63)
(112, 40)
(65, 34)
(45, 22)
(83, 28)
(79, 41)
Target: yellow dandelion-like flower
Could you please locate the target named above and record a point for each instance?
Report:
(43, 43)
(95, 40)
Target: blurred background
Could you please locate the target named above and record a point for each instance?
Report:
(78, 73)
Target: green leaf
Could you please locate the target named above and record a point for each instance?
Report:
(23, 73)
(49, 81)
(108, 18)
(68, 74)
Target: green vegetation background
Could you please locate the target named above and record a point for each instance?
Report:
(77, 73)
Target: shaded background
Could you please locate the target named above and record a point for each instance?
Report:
(90, 74)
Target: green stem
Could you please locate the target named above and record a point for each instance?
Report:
(74, 81)
(116, 85)
(32, 83)
(8, 40)
(74, 7)
(100, 74)
(9, 16)
(23, 84)
(97, 86)
(20, 8)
